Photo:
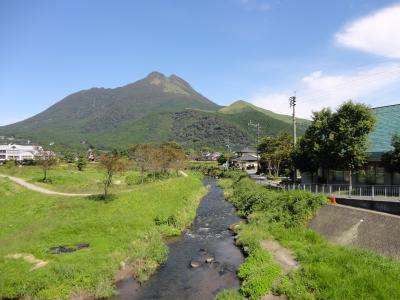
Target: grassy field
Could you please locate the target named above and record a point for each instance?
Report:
(66, 178)
(327, 271)
(121, 233)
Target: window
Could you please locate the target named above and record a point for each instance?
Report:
(380, 175)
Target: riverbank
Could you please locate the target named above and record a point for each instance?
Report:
(326, 271)
(201, 262)
(55, 247)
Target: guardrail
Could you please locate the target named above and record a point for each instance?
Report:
(359, 191)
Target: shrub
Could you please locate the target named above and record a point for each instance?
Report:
(258, 272)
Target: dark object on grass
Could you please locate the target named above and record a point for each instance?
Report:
(65, 249)
(82, 246)
(61, 249)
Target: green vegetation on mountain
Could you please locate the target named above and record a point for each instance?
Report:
(155, 109)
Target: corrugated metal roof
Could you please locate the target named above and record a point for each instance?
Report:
(388, 124)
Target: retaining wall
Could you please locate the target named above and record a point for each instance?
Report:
(345, 225)
(391, 207)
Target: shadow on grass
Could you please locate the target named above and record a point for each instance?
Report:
(101, 198)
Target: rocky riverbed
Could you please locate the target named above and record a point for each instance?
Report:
(203, 261)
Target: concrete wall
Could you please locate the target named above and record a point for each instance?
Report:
(390, 207)
(358, 227)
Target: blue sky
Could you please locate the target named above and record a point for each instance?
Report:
(257, 50)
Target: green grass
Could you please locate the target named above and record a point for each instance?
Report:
(229, 295)
(120, 230)
(327, 271)
(66, 178)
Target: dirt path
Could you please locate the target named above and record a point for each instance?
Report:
(284, 258)
(39, 189)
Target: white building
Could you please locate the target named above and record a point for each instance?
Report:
(18, 152)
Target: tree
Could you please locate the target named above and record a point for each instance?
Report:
(223, 158)
(391, 159)
(178, 161)
(142, 154)
(336, 140)
(111, 164)
(275, 152)
(45, 159)
(81, 163)
(351, 125)
(69, 157)
(316, 148)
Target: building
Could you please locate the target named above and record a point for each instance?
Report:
(18, 152)
(246, 159)
(388, 124)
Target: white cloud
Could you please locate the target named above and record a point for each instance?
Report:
(378, 33)
(318, 90)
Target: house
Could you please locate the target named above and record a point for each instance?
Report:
(388, 124)
(209, 156)
(245, 159)
(18, 152)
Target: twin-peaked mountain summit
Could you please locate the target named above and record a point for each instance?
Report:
(154, 109)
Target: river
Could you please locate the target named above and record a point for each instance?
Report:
(208, 236)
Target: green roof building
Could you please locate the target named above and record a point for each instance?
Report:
(388, 124)
(380, 139)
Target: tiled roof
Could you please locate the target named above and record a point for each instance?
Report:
(245, 158)
(388, 124)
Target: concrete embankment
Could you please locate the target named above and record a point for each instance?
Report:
(386, 206)
(358, 227)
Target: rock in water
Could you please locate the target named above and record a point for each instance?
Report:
(195, 264)
(209, 259)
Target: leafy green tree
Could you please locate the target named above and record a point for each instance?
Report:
(81, 163)
(336, 140)
(275, 152)
(391, 159)
(223, 158)
(316, 148)
(69, 157)
(351, 125)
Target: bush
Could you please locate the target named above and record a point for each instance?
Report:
(258, 272)
(288, 208)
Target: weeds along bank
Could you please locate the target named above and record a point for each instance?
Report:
(326, 271)
(122, 236)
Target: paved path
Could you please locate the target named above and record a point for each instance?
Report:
(39, 189)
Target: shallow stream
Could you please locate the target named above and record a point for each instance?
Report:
(208, 237)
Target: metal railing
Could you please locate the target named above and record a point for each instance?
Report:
(389, 192)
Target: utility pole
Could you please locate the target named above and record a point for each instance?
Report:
(257, 126)
(292, 103)
(228, 145)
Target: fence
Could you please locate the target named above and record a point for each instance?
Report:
(360, 191)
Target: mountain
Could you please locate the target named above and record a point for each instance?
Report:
(271, 123)
(155, 109)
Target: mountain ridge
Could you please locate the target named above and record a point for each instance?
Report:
(166, 107)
